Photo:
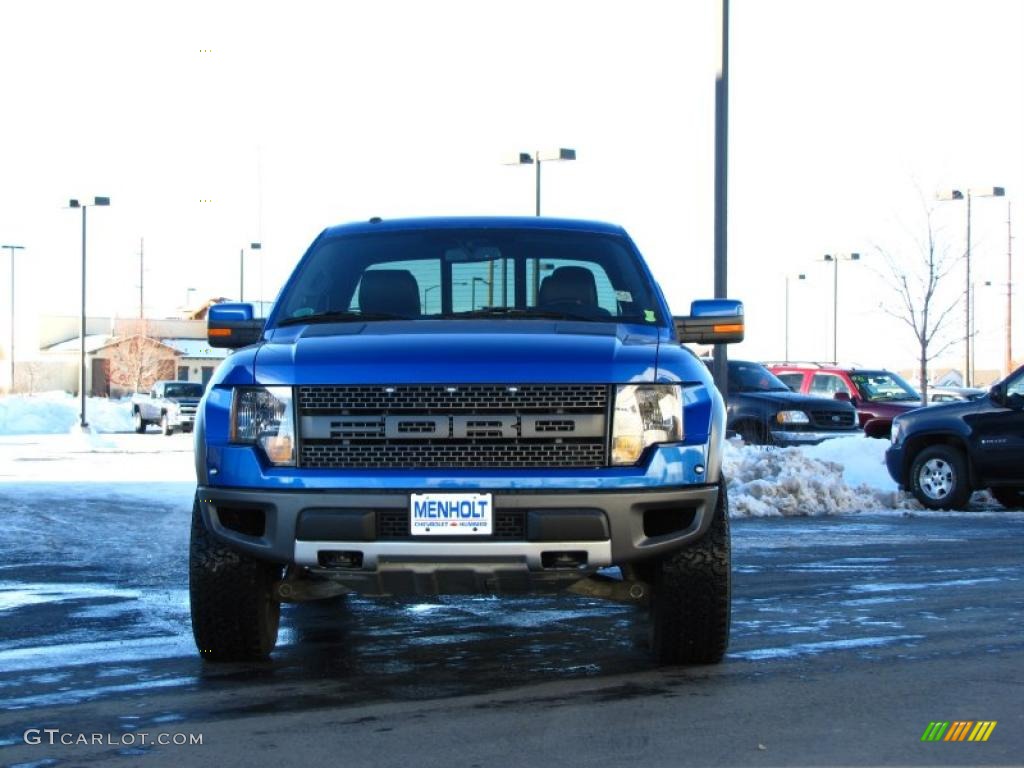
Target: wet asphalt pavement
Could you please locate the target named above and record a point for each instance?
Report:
(850, 634)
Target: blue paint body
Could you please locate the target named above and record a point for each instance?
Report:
(439, 351)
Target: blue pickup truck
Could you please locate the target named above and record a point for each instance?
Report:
(463, 405)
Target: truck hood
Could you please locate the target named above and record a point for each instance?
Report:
(458, 351)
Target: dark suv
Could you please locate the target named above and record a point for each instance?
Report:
(878, 395)
(764, 411)
(944, 453)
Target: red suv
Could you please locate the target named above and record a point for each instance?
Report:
(878, 395)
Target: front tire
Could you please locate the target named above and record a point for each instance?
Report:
(234, 615)
(138, 422)
(1009, 496)
(939, 479)
(165, 426)
(692, 594)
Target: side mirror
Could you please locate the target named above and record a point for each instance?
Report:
(711, 321)
(844, 396)
(998, 394)
(232, 326)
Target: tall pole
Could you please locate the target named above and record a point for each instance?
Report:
(835, 310)
(10, 351)
(720, 367)
(967, 303)
(241, 274)
(142, 243)
(81, 338)
(787, 318)
(1009, 293)
(536, 177)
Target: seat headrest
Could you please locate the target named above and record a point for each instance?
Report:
(389, 292)
(568, 284)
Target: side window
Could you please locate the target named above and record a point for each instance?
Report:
(1016, 387)
(792, 380)
(827, 384)
(479, 284)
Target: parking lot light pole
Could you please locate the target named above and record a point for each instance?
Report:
(800, 276)
(10, 350)
(835, 258)
(535, 159)
(241, 269)
(102, 202)
(956, 194)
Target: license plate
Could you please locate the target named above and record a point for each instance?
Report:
(451, 514)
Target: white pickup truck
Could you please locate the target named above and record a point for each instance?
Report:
(171, 404)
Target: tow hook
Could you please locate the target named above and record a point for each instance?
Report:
(298, 590)
(616, 590)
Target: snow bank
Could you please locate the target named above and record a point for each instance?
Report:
(841, 475)
(57, 413)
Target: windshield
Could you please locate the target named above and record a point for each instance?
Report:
(183, 390)
(883, 387)
(752, 377)
(466, 273)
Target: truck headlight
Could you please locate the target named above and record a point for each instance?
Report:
(792, 417)
(896, 435)
(645, 414)
(264, 416)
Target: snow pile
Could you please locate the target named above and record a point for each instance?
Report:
(838, 476)
(52, 413)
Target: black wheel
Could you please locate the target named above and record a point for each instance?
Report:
(138, 422)
(691, 597)
(1009, 496)
(753, 433)
(938, 478)
(165, 425)
(234, 615)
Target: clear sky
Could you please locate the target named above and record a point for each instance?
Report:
(845, 118)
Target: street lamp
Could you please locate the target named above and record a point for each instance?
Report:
(956, 194)
(835, 258)
(241, 269)
(102, 202)
(525, 158)
(10, 351)
(473, 289)
(800, 276)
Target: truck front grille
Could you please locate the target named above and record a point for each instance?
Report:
(833, 419)
(436, 426)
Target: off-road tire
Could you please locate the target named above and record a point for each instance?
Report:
(691, 597)
(939, 478)
(1009, 496)
(138, 422)
(165, 426)
(234, 615)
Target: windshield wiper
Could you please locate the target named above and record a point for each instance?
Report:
(533, 312)
(339, 316)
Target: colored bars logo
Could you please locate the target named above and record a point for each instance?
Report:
(959, 730)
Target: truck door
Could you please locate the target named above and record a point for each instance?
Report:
(998, 435)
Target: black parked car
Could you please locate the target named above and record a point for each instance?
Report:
(945, 452)
(764, 411)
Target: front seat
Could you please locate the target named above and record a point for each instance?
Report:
(389, 292)
(570, 285)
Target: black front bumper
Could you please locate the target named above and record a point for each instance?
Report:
(293, 526)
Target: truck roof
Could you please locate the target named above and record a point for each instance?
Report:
(377, 224)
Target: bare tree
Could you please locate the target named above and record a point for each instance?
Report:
(921, 308)
(137, 360)
(30, 371)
